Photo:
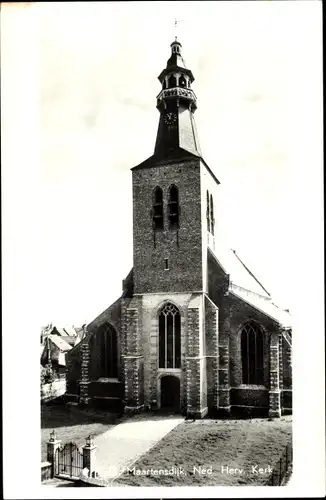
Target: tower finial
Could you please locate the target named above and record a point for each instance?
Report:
(177, 27)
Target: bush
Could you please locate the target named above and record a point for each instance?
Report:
(47, 375)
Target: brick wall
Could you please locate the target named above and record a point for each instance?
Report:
(212, 353)
(240, 312)
(183, 248)
(274, 375)
(208, 183)
(133, 361)
(196, 373)
(73, 359)
(217, 281)
(111, 316)
(287, 365)
(249, 397)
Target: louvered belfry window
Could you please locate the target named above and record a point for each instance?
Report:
(174, 207)
(208, 212)
(169, 337)
(252, 354)
(212, 214)
(158, 216)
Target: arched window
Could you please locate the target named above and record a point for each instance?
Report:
(169, 337)
(158, 223)
(107, 349)
(172, 82)
(182, 82)
(174, 207)
(252, 354)
(208, 212)
(212, 214)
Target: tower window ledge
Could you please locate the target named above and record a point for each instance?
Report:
(107, 380)
(252, 387)
(167, 370)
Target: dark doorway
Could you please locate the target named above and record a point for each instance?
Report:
(170, 393)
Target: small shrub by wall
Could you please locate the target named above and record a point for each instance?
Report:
(53, 390)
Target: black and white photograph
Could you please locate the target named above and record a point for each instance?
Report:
(164, 209)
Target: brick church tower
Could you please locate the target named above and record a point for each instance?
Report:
(194, 330)
(171, 236)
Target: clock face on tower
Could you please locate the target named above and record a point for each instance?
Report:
(170, 118)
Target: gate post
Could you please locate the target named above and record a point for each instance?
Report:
(89, 450)
(52, 445)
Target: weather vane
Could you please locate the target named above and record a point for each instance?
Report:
(176, 26)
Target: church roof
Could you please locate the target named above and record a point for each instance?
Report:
(266, 306)
(240, 275)
(177, 155)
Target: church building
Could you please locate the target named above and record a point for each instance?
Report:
(194, 331)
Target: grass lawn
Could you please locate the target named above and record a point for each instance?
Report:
(213, 444)
(72, 424)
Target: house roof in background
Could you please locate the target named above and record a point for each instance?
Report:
(70, 330)
(60, 342)
(69, 339)
(60, 331)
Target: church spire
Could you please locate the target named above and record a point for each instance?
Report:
(176, 103)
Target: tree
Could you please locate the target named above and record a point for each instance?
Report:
(47, 374)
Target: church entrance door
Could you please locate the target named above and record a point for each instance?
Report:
(170, 393)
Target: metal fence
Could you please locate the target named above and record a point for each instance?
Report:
(281, 467)
(68, 461)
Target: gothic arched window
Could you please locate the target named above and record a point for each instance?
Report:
(107, 349)
(158, 209)
(174, 207)
(252, 354)
(169, 337)
(212, 214)
(208, 212)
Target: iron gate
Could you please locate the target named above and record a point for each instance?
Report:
(68, 461)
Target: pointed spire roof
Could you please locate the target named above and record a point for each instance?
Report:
(176, 141)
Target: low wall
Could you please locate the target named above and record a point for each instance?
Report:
(249, 396)
(52, 391)
(46, 471)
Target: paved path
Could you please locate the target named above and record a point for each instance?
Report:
(123, 444)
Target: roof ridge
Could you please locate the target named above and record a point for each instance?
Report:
(248, 270)
(260, 307)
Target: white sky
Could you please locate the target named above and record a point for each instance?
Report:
(255, 70)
